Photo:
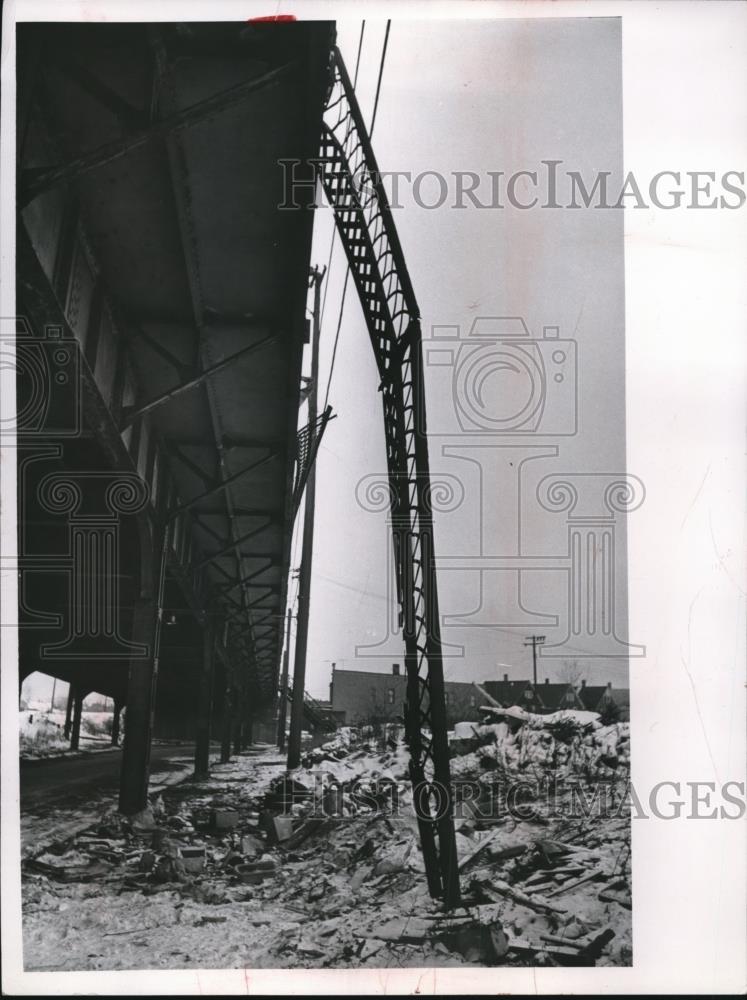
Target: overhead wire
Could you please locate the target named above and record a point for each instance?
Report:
(334, 227)
(381, 73)
(294, 556)
(331, 251)
(347, 272)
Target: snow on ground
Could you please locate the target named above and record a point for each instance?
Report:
(42, 825)
(42, 733)
(322, 867)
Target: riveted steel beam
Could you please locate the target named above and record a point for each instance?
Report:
(132, 413)
(231, 545)
(220, 486)
(33, 182)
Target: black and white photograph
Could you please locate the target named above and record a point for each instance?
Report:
(373, 536)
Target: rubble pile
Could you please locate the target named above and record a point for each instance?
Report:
(565, 745)
(322, 866)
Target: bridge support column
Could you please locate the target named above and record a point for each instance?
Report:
(141, 686)
(246, 735)
(205, 703)
(116, 717)
(77, 717)
(227, 721)
(69, 710)
(283, 696)
(239, 711)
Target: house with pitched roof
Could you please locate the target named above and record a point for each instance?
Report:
(544, 698)
(556, 697)
(595, 698)
(508, 693)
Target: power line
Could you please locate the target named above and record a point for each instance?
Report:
(347, 272)
(358, 57)
(534, 641)
(381, 73)
(337, 337)
(334, 227)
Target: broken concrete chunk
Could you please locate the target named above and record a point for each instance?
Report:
(370, 947)
(405, 929)
(193, 859)
(252, 873)
(389, 866)
(144, 821)
(316, 892)
(359, 878)
(225, 819)
(310, 948)
(251, 846)
(283, 827)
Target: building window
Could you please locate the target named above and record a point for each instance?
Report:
(447, 697)
(472, 701)
(390, 695)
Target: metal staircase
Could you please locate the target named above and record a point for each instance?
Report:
(351, 180)
(315, 713)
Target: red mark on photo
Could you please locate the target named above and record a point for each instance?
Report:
(271, 18)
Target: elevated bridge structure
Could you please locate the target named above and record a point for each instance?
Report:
(162, 300)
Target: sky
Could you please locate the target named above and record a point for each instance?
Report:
(481, 96)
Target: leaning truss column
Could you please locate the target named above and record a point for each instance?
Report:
(350, 177)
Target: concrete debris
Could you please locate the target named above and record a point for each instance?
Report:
(323, 867)
(250, 846)
(192, 859)
(224, 819)
(254, 872)
(369, 947)
(143, 822)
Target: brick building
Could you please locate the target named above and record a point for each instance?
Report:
(367, 697)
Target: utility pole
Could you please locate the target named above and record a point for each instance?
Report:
(54, 689)
(534, 641)
(307, 550)
(283, 706)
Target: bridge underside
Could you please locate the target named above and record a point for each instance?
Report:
(162, 296)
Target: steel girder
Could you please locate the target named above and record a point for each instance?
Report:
(369, 237)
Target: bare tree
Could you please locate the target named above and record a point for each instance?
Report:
(571, 673)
